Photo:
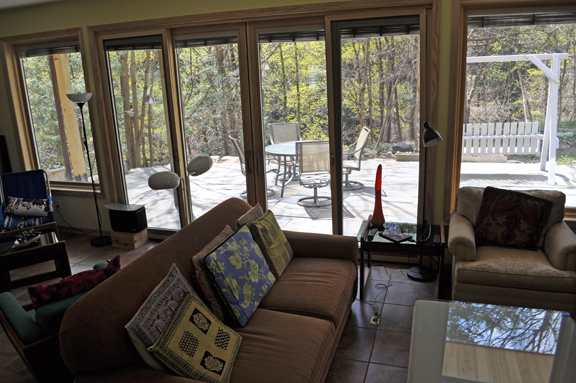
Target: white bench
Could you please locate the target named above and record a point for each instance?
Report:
(509, 138)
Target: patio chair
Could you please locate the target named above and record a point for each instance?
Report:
(313, 159)
(242, 159)
(353, 159)
(284, 132)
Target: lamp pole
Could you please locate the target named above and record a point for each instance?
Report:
(80, 99)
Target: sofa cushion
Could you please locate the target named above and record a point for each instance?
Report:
(314, 287)
(250, 216)
(522, 269)
(241, 273)
(204, 282)
(74, 284)
(272, 242)
(153, 316)
(469, 199)
(510, 218)
(283, 348)
(196, 345)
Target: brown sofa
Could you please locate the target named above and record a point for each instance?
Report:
(545, 278)
(291, 337)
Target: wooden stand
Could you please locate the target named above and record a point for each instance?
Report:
(129, 240)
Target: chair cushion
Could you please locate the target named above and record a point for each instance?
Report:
(196, 345)
(272, 242)
(469, 199)
(522, 269)
(26, 207)
(204, 283)
(511, 219)
(49, 316)
(241, 273)
(283, 348)
(74, 284)
(21, 321)
(315, 287)
(145, 327)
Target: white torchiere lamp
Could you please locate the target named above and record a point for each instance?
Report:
(80, 99)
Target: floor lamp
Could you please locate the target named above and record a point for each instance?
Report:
(80, 99)
(422, 273)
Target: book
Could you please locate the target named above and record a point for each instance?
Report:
(395, 236)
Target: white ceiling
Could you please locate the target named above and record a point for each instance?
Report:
(10, 4)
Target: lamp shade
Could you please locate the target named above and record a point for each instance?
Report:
(431, 136)
(164, 180)
(79, 98)
(199, 165)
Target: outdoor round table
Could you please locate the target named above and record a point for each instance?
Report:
(283, 151)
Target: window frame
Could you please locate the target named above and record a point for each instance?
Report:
(20, 109)
(461, 9)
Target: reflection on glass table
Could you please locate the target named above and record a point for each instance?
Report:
(472, 342)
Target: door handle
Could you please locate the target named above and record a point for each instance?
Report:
(248, 159)
(258, 162)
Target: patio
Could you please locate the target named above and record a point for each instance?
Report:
(400, 190)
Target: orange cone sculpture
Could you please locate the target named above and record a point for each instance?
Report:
(377, 219)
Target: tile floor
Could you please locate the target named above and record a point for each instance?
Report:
(366, 353)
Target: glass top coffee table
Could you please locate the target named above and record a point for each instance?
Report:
(472, 342)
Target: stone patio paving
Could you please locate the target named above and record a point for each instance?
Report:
(400, 190)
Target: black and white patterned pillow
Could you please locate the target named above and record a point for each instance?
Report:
(25, 207)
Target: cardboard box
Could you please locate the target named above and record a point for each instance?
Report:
(129, 240)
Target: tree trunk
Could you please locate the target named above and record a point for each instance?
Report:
(128, 125)
(380, 87)
(416, 91)
(526, 105)
(284, 84)
(141, 136)
(363, 81)
(297, 81)
(398, 126)
(150, 142)
(135, 142)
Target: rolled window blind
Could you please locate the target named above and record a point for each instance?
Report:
(520, 19)
(135, 43)
(53, 49)
(381, 27)
(205, 41)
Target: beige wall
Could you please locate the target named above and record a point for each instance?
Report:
(84, 13)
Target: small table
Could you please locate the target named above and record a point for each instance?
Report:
(410, 247)
(474, 342)
(283, 151)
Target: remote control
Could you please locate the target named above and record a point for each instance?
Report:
(371, 234)
(437, 240)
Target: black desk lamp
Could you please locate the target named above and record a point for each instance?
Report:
(430, 137)
(80, 99)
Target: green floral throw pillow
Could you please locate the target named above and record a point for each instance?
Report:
(241, 273)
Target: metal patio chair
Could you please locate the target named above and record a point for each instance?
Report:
(352, 160)
(313, 159)
(242, 159)
(284, 132)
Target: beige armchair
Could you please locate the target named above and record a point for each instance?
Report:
(545, 278)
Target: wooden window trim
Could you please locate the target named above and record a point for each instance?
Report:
(19, 106)
(458, 47)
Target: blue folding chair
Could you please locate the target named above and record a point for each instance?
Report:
(31, 184)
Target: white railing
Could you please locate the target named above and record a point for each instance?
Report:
(519, 138)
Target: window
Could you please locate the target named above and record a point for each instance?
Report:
(50, 73)
(519, 107)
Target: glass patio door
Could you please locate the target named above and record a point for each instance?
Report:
(209, 79)
(290, 64)
(377, 81)
(137, 78)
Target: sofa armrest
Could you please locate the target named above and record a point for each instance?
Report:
(132, 374)
(461, 240)
(560, 246)
(323, 246)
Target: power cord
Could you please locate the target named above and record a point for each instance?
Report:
(72, 227)
(383, 287)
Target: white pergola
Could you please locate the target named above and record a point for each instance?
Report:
(551, 142)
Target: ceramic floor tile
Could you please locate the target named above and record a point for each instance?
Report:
(396, 318)
(391, 348)
(378, 373)
(408, 293)
(356, 344)
(346, 371)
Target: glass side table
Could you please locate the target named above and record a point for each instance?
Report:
(476, 342)
(380, 244)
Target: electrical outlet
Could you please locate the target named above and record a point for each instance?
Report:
(57, 204)
(375, 320)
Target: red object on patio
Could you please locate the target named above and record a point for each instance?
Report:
(377, 219)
